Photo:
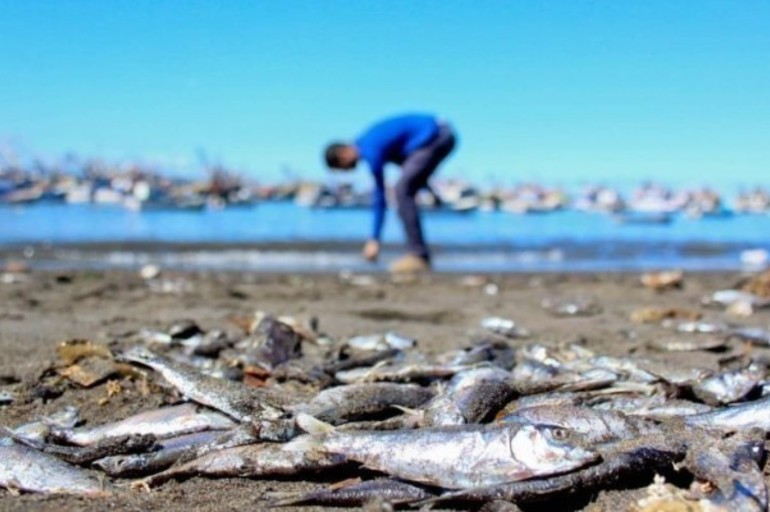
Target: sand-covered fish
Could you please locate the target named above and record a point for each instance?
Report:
(469, 397)
(355, 401)
(234, 399)
(595, 425)
(734, 418)
(254, 460)
(25, 469)
(168, 452)
(354, 494)
(729, 386)
(166, 422)
(454, 457)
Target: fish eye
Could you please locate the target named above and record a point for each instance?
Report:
(559, 434)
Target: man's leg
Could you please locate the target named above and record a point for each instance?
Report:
(416, 170)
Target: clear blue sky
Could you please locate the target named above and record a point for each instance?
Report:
(563, 91)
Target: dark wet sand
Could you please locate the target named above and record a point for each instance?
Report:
(439, 311)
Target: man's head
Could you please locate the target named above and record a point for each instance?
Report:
(340, 156)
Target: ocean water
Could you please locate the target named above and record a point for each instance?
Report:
(284, 237)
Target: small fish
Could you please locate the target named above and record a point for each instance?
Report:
(732, 465)
(354, 495)
(622, 461)
(504, 327)
(454, 457)
(571, 306)
(234, 399)
(734, 418)
(399, 372)
(356, 401)
(380, 342)
(655, 408)
(255, 460)
(697, 327)
(25, 469)
(595, 426)
(727, 387)
(163, 423)
(39, 429)
(728, 298)
(688, 344)
(470, 397)
(169, 451)
(756, 335)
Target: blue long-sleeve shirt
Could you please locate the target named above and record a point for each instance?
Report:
(391, 141)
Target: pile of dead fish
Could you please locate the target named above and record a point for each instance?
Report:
(504, 419)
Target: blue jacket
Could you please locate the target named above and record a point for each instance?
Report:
(391, 141)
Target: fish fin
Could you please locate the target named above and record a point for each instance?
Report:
(409, 411)
(312, 425)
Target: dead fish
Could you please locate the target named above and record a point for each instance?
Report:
(82, 455)
(735, 418)
(39, 429)
(688, 344)
(496, 353)
(571, 306)
(673, 373)
(236, 400)
(379, 342)
(556, 398)
(504, 327)
(359, 360)
(755, 335)
(654, 408)
(696, 327)
(399, 372)
(356, 401)
(255, 460)
(354, 495)
(454, 457)
(621, 461)
(470, 397)
(727, 387)
(596, 426)
(25, 469)
(168, 452)
(163, 423)
(732, 465)
(727, 298)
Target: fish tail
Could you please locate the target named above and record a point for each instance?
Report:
(312, 425)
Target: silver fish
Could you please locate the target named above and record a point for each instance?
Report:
(735, 418)
(26, 469)
(354, 495)
(729, 297)
(169, 451)
(379, 342)
(730, 386)
(596, 426)
(39, 429)
(355, 401)
(399, 372)
(756, 335)
(469, 397)
(163, 423)
(255, 460)
(454, 457)
(236, 400)
(504, 326)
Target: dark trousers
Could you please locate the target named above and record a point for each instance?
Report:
(416, 169)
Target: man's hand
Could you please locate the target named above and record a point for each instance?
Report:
(371, 250)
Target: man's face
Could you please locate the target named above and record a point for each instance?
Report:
(347, 158)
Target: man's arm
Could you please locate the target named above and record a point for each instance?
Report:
(379, 203)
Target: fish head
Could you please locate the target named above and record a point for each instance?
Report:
(138, 354)
(549, 448)
(115, 465)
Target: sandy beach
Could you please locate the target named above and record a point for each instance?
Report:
(38, 310)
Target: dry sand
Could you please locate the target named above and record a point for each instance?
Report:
(440, 311)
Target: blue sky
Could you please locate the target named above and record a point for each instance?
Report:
(562, 91)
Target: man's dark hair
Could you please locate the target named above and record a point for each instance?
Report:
(332, 154)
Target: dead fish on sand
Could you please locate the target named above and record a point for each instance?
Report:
(454, 457)
(354, 494)
(236, 400)
(163, 423)
(25, 469)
